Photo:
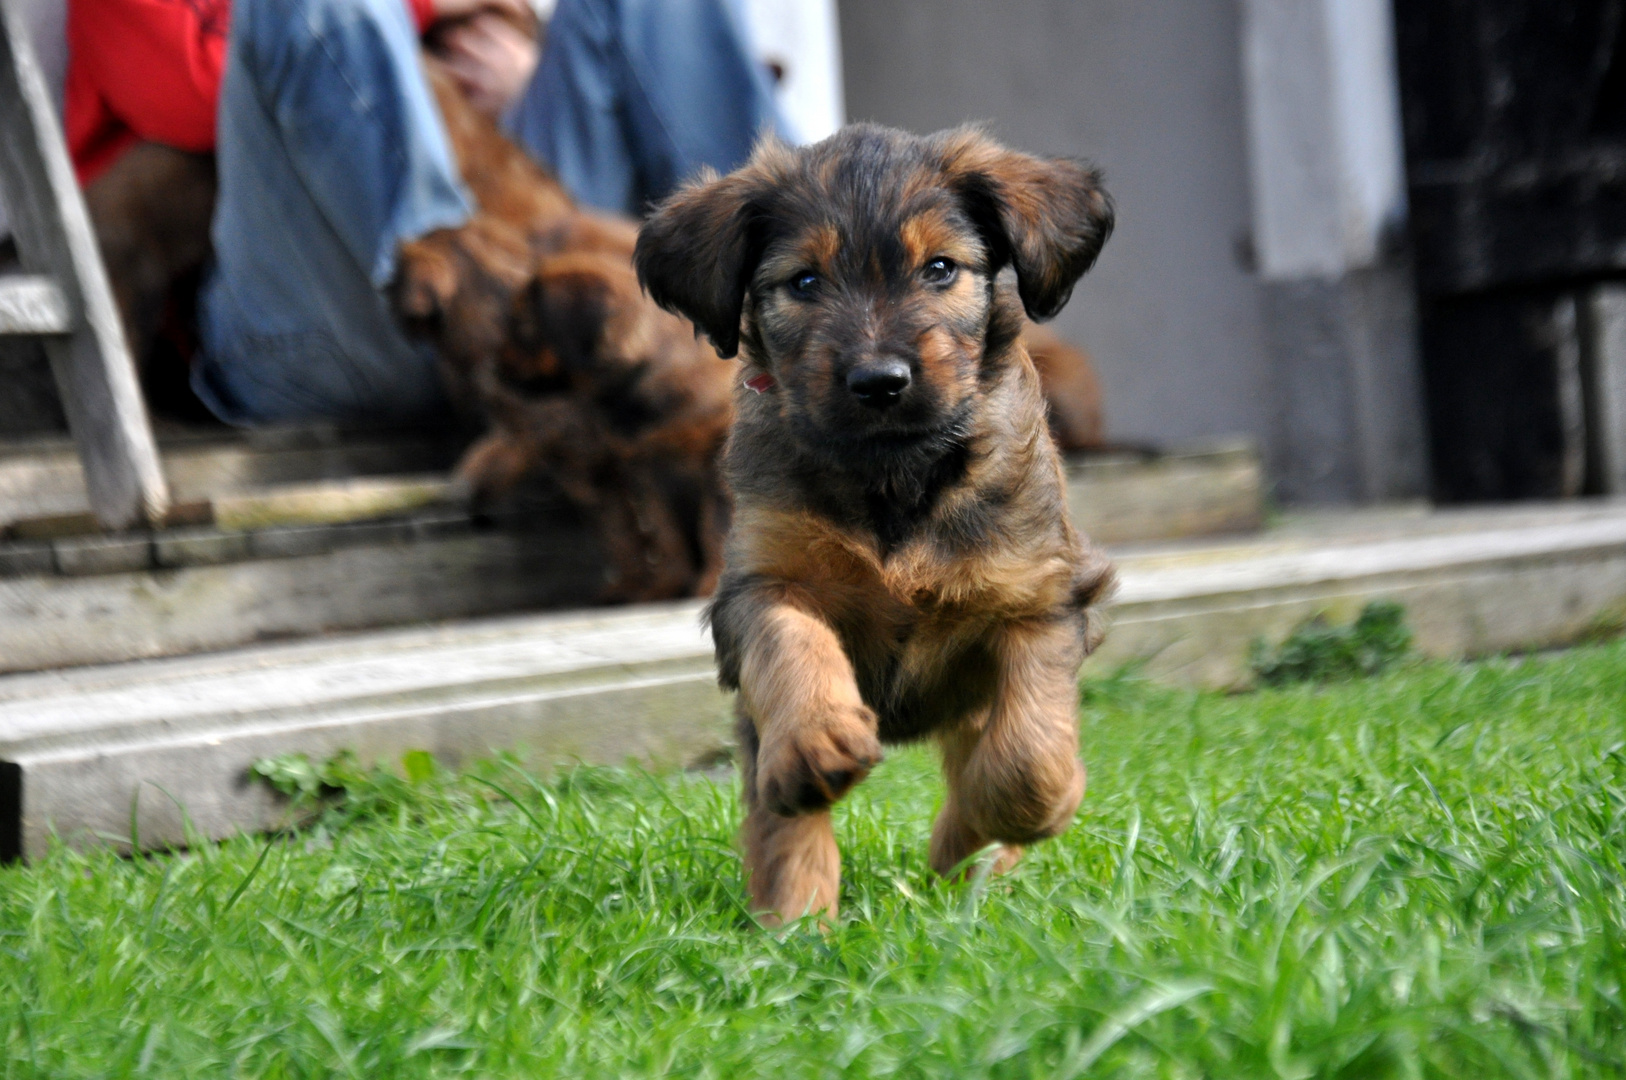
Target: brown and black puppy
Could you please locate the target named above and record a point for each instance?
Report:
(456, 287)
(901, 564)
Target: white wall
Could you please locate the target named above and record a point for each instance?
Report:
(1151, 90)
(1324, 130)
(803, 38)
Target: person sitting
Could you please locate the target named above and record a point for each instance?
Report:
(331, 153)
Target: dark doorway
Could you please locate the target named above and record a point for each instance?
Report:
(1515, 132)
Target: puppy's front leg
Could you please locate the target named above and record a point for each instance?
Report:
(808, 738)
(1014, 775)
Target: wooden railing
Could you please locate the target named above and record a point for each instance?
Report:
(64, 299)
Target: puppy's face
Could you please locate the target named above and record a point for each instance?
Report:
(871, 313)
(860, 272)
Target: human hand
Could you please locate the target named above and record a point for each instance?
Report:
(457, 9)
(491, 58)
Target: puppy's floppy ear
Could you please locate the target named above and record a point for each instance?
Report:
(1047, 218)
(698, 250)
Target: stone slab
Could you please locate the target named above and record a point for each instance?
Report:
(84, 555)
(636, 683)
(301, 584)
(1200, 492)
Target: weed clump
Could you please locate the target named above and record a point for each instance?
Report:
(315, 789)
(1317, 651)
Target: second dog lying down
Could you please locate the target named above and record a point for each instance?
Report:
(544, 332)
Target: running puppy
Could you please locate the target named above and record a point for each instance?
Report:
(901, 564)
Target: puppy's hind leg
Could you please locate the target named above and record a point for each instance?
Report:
(792, 864)
(955, 836)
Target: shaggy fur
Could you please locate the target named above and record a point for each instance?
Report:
(543, 330)
(902, 565)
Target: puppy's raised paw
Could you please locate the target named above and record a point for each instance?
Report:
(815, 761)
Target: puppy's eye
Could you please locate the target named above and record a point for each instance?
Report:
(804, 286)
(939, 271)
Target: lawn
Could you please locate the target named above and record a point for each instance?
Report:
(1413, 875)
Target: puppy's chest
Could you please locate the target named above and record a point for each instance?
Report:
(921, 668)
(922, 629)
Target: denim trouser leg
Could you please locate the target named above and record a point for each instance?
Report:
(331, 151)
(634, 96)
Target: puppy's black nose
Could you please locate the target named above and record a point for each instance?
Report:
(880, 383)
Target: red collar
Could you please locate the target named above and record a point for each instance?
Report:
(761, 383)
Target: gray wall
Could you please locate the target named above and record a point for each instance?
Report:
(1150, 90)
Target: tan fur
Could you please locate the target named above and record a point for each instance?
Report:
(899, 574)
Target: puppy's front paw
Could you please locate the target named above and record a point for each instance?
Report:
(814, 761)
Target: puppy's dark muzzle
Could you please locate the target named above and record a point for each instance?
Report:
(879, 385)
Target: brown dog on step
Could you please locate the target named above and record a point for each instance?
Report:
(543, 331)
(902, 565)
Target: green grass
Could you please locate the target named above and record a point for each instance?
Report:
(1418, 875)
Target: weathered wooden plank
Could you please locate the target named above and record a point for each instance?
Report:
(30, 304)
(313, 585)
(327, 502)
(97, 380)
(41, 477)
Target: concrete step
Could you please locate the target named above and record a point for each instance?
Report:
(312, 555)
(85, 752)
(1200, 491)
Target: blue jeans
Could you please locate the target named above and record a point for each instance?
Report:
(331, 152)
(633, 97)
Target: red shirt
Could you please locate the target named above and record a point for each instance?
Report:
(149, 70)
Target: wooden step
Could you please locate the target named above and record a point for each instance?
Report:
(95, 599)
(41, 477)
(80, 748)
